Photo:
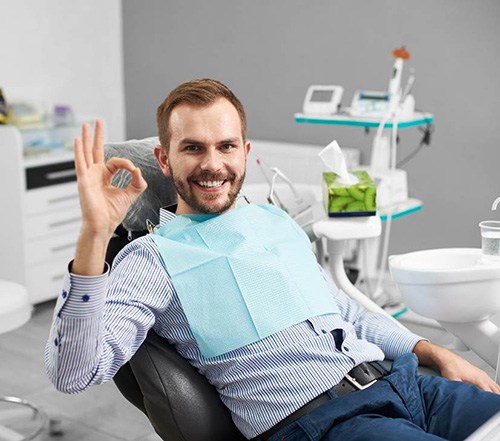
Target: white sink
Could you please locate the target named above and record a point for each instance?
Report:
(450, 284)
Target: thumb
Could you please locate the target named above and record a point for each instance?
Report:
(137, 184)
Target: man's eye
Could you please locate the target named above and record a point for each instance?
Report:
(192, 148)
(227, 147)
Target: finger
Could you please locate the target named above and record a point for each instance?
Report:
(138, 184)
(114, 164)
(489, 385)
(80, 163)
(495, 387)
(99, 142)
(87, 143)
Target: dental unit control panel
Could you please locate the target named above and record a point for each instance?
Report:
(326, 100)
(323, 99)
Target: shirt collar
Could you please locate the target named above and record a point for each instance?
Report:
(167, 214)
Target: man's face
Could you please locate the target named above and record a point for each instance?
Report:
(207, 157)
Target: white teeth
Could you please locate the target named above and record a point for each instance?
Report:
(210, 183)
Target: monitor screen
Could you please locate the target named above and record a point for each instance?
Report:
(322, 96)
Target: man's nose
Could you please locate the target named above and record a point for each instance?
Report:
(211, 160)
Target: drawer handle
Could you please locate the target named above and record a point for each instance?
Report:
(65, 222)
(53, 176)
(63, 247)
(63, 198)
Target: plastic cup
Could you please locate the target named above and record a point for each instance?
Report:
(490, 238)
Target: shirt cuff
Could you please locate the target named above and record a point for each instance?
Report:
(400, 343)
(86, 295)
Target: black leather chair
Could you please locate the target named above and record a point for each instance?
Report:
(177, 399)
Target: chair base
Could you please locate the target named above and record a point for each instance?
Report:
(37, 415)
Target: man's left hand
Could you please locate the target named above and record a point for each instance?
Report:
(453, 367)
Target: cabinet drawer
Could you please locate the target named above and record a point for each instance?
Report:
(45, 281)
(53, 223)
(59, 247)
(50, 174)
(42, 200)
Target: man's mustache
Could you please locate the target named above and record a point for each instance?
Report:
(209, 176)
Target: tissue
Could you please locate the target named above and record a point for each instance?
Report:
(334, 160)
(346, 193)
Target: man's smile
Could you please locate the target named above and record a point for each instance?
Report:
(210, 184)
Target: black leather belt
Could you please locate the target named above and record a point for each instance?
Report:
(360, 377)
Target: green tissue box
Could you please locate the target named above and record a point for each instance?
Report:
(351, 200)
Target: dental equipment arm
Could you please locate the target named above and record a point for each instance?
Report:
(337, 232)
(495, 203)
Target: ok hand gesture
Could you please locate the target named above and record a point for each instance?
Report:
(103, 205)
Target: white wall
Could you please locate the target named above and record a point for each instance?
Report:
(64, 52)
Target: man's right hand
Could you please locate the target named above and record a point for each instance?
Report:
(103, 206)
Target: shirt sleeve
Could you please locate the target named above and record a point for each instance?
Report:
(393, 339)
(99, 322)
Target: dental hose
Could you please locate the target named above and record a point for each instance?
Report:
(377, 292)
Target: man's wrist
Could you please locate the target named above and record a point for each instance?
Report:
(88, 232)
(430, 354)
(426, 353)
(90, 254)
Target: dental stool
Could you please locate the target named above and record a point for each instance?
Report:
(15, 311)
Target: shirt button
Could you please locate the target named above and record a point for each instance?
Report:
(346, 349)
(85, 297)
(64, 294)
(56, 342)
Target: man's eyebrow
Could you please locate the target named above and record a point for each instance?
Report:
(190, 141)
(187, 141)
(229, 141)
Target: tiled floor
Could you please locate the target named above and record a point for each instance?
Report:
(99, 414)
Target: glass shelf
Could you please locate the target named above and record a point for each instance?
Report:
(419, 119)
(48, 140)
(400, 209)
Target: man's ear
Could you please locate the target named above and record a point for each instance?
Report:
(162, 158)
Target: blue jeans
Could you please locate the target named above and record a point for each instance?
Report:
(400, 406)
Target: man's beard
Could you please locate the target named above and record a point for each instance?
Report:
(204, 206)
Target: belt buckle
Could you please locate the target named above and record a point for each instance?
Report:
(357, 384)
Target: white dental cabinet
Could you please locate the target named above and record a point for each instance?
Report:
(40, 214)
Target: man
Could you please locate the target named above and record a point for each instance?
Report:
(280, 369)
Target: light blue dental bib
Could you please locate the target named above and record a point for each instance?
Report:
(242, 275)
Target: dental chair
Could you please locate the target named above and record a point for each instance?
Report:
(179, 402)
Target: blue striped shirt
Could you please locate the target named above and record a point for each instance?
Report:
(99, 322)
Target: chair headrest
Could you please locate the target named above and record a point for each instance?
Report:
(160, 191)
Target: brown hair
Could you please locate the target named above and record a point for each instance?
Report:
(199, 93)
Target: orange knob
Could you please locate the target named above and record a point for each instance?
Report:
(401, 52)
